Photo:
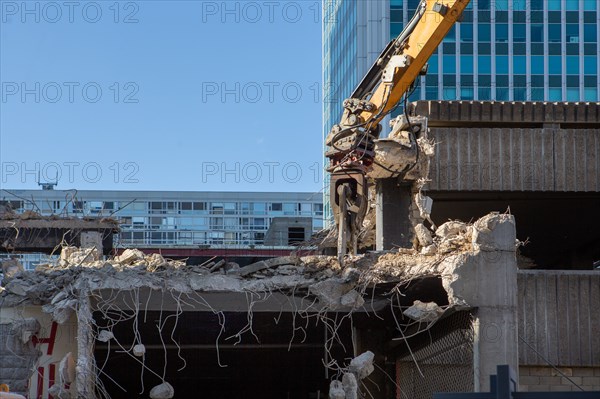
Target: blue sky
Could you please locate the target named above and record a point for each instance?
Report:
(161, 95)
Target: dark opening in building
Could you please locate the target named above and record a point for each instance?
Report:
(295, 235)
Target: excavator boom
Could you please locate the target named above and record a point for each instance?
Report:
(351, 142)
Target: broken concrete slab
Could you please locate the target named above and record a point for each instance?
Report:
(423, 235)
(362, 365)
(336, 390)
(350, 386)
(266, 264)
(451, 229)
(162, 391)
(425, 312)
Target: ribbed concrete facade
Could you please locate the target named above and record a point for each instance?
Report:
(559, 318)
(498, 146)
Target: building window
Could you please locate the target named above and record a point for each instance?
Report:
(519, 65)
(296, 235)
(590, 5)
(590, 94)
(484, 31)
(554, 65)
(518, 5)
(590, 32)
(449, 64)
(537, 33)
(466, 64)
(590, 65)
(449, 93)
(431, 93)
(572, 65)
(466, 32)
(502, 93)
(502, 5)
(572, 94)
(572, 31)
(554, 5)
(554, 32)
(466, 93)
(520, 94)
(572, 5)
(502, 32)
(537, 65)
(230, 208)
(485, 93)
(518, 32)
(502, 64)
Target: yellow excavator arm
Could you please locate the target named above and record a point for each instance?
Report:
(351, 142)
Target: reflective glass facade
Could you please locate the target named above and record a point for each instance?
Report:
(504, 50)
(340, 71)
(353, 33)
(514, 50)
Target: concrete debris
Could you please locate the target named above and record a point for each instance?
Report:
(130, 256)
(429, 250)
(10, 267)
(77, 256)
(423, 235)
(352, 299)
(55, 286)
(25, 329)
(105, 336)
(59, 392)
(425, 312)
(350, 386)
(66, 369)
(266, 264)
(362, 365)
(451, 229)
(330, 292)
(217, 266)
(488, 230)
(162, 391)
(139, 350)
(336, 390)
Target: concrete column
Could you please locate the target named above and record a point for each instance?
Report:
(393, 211)
(90, 239)
(85, 374)
(487, 280)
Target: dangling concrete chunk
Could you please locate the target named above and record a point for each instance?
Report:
(336, 390)
(162, 391)
(350, 386)
(424, 311)
(105, 336)
(362, 365)
(139, 350)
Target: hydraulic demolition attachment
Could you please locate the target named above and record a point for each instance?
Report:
(352, 142)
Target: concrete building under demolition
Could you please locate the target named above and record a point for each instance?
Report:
(431, 305)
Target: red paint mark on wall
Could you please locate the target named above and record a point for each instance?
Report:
(40, 383)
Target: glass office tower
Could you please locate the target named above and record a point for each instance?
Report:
(503, 50)
(354, 33)
(514, 50)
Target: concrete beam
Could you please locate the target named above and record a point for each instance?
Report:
(393, 214)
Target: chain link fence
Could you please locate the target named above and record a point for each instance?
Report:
(441, 360)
